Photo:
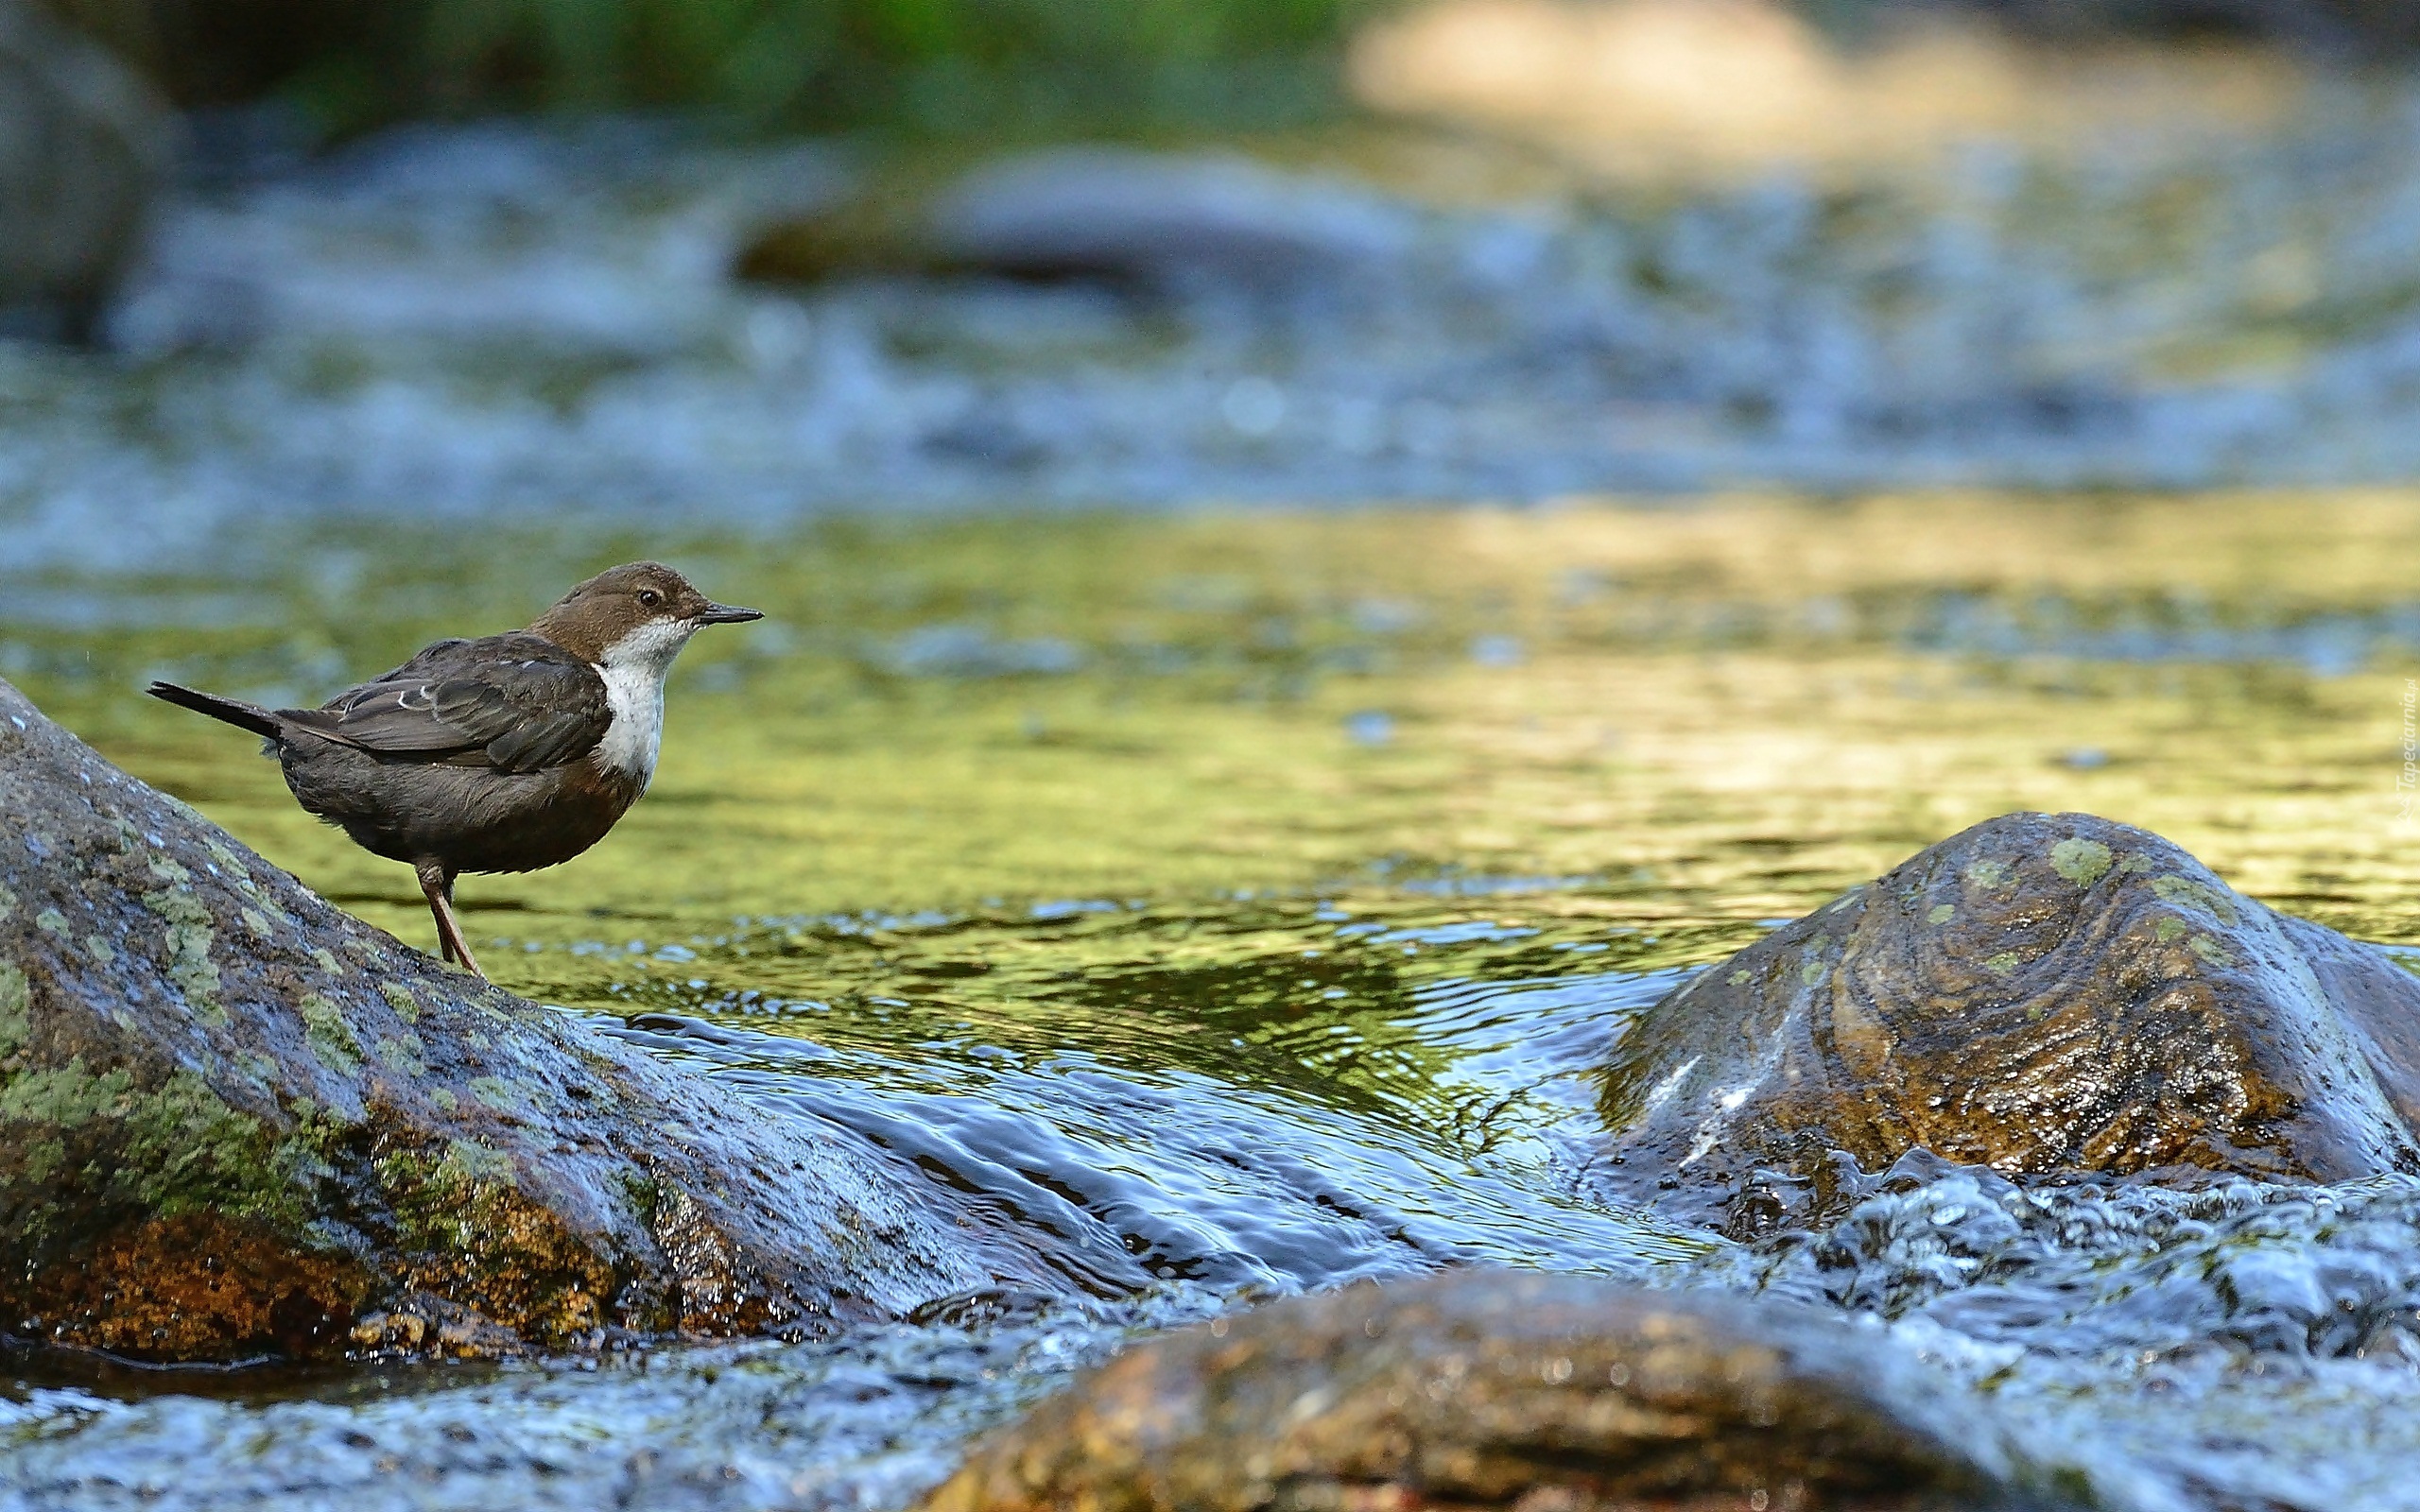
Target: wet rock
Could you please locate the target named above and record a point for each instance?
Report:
(1495, 1389)
(82, 145)
(1101, 213)
(235, 1121)
(2042, 994)
(2107, 1270)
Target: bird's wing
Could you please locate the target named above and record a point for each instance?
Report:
(515, 702)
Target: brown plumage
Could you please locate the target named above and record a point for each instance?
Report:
(506, 753)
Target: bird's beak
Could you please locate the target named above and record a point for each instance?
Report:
(728, 614)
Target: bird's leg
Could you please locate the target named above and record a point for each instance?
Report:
(436, 886)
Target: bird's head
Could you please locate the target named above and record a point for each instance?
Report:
(639, 615)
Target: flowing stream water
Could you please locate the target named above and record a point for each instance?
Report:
(1252, 893)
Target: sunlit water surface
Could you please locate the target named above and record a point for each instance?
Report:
(1249, 897)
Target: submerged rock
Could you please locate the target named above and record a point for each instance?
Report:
(1495, 1388)
(2042, 994)
(1106, 213)
(235, 1121)
(82, 147)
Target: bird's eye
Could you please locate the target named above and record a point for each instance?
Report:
(650, 598)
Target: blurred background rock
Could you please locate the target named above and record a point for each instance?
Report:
(81, 145)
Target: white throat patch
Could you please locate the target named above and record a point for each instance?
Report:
(633, 669)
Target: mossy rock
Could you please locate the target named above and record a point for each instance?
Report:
(234, 1121)
(1497, 1389)
(2048, 995)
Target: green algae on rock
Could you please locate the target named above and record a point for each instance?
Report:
(320, 1140)
(1483, 1388)
(2043, 994)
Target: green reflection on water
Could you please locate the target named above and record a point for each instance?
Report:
(1228, 736)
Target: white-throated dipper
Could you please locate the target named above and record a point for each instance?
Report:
(506, 753)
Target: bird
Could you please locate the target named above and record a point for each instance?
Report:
(505, 753)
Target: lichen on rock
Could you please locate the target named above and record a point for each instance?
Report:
(220, 1139)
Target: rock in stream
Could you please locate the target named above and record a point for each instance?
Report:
(2047, 995)
(1495, 1388)
(83, 145)
(234, 1121)
(1120, 216)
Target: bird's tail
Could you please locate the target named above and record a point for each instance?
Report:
(236, 712)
